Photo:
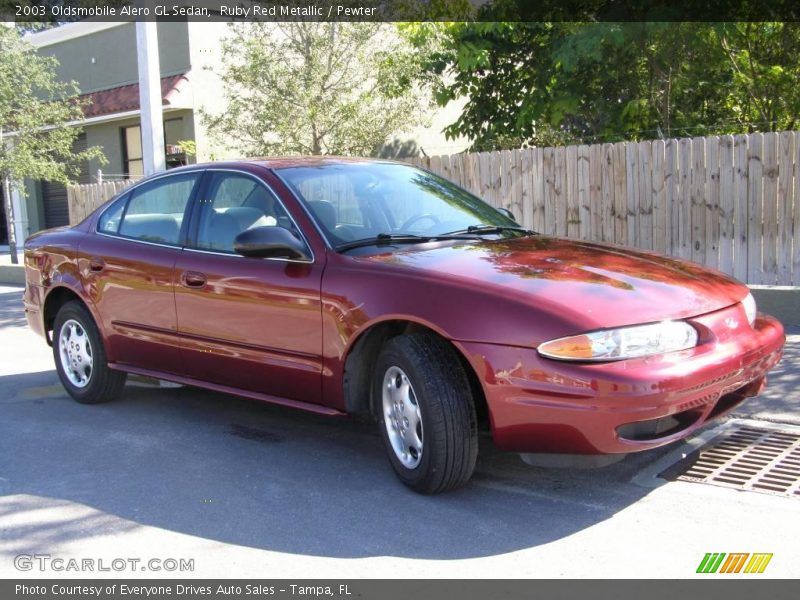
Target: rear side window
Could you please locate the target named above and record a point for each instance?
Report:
(154, 211)
(112, 217)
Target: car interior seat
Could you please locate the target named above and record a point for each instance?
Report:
(248, 216)
(220, 231)
(325, 212)
(151, 227)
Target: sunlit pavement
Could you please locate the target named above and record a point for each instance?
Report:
(249, 490)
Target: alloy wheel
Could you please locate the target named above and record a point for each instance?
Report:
(76, 353)
(402, 417)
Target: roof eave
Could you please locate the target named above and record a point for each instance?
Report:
(68, 31)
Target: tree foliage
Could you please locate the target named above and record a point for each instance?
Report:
(34, 111)
(315, 88)
(554, 83)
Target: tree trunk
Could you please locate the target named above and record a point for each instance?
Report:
(10, 225)
(12, 232)
(316, 147)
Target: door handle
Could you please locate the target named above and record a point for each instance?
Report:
(193, 279)
(96, 264)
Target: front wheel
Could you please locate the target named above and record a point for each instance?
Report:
(81, 358)
(426, 413)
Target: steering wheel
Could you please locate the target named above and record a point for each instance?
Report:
(408, 223)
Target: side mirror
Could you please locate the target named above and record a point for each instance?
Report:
(270, 242)
(507, 213)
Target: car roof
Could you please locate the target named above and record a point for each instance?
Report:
(285, 162)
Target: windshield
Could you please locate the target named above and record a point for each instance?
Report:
(360, 201)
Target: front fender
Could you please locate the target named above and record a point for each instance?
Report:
(357, 300)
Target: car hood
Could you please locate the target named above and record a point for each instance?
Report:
(591, 285)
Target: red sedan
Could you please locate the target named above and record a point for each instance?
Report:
(356, 286)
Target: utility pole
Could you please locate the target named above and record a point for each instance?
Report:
(152, 121)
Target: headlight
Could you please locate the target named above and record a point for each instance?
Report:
(749, 305)
(623, 343)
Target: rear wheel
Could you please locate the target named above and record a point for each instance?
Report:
(426, 413)
(80, 357)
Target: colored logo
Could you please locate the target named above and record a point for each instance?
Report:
(742, 562)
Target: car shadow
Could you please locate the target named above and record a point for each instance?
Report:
(241, 472)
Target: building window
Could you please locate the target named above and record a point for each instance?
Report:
(132, 151)
(173, 133)
(132, 147)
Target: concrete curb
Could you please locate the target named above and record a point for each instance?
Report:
(782, 302)
(12, 274)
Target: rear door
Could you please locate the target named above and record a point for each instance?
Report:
(128, 267)
(247, 323)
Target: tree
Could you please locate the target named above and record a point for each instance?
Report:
(556, 83)
(765, 69)
(315, 88)
(35, 108)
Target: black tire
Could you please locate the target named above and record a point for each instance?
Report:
(447, 420)
(102, 384)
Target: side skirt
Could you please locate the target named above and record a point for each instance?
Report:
(307, 406)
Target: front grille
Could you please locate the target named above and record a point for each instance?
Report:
(749, 458)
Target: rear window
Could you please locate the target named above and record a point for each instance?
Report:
(152, 212)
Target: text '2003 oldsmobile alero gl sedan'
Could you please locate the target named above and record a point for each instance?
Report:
(354, 286)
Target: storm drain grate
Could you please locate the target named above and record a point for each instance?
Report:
(753, 459)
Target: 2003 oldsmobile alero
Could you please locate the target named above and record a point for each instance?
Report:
(355, 286)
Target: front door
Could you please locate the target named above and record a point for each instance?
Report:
(247, 323)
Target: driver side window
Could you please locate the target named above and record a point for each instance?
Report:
(234, 203)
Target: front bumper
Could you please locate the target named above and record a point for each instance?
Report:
(541, 405)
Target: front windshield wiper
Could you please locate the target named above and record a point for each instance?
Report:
(409, 238)
(383, 239)
(489, 229)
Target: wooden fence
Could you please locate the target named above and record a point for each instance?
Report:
(729, 202)
(82, 199)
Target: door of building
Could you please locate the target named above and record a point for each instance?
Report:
(54, 195)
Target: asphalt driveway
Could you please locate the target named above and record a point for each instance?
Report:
(248, 489)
